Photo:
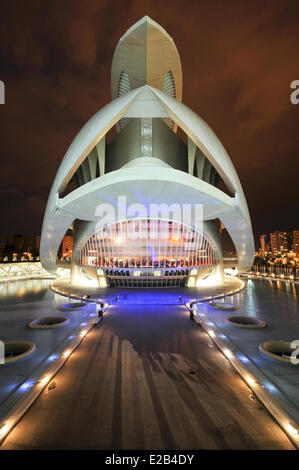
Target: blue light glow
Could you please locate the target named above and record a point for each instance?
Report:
(53, 357)
(270, 387)
(243, 359)
(26, 386)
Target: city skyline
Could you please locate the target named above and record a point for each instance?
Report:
(141, 314)
(31, 244)
(54, 89)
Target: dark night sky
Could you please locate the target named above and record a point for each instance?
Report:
(238, 60)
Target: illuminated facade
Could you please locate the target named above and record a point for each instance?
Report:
(67, 246)
(279, 241)
(16, 271)
(148, 252)
(296, 242)
(265, 247)
(146, 164)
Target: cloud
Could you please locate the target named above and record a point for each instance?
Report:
(238, 60)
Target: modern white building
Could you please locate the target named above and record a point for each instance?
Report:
(144, 204)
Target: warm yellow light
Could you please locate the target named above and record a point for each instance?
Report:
(191, 282)
(3, 429)
(214, 279)
(102, 282)
(84, 281)
(250, 380)
(292, 429)
(61, 272)
(67, 353)
(83, 333)
(228, 353)
(45, 380)
(211, 333)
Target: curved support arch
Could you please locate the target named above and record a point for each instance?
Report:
(17, 268)
(145, 102)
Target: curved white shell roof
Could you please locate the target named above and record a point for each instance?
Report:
(171, 184)
(146, 53)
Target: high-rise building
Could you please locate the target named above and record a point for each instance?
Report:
(67, 246)
(264, 242)
(279, 241)
(18, 242)
(126, 197)
(296, 242)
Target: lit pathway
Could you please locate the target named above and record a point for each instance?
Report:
(147, 378)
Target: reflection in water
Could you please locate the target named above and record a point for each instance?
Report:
(272, 301)
(16, 291)
(294, 289)
(286, 286)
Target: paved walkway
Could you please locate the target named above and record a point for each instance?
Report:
(147, 378)
(279, 309)
(22, 302)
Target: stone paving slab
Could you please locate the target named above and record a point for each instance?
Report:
(280, 311)
(16, 311)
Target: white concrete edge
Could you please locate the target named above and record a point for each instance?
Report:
(31, 278)
(78, 297)
(269, 277)
(241, 287)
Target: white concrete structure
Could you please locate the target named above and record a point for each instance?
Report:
(18, 271)
(146, 163)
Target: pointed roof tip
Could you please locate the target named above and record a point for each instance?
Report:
(137, 54)
(145, 20)
(148, 19)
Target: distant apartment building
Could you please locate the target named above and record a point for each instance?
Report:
(37, 242)
(279, 241)
(67, 246)
(19, 243)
